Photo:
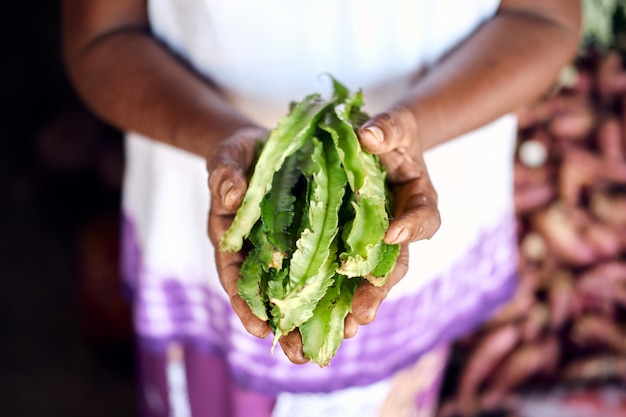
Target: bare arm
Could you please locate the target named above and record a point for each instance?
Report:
(511, 60)
(507, 63)
(130, 80)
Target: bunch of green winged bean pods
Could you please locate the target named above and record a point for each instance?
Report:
(313, 217)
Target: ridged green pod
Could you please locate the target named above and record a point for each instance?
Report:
(314, 218)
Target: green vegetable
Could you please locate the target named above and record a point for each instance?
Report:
(289, 135)
(322, 334)
(254, 277)
(366, 248)
(313, 264)
(314, 218)
(277, 211)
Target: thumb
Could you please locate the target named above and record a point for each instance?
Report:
(367, 297)
(228, 185)
(228, 165)
(388, 131)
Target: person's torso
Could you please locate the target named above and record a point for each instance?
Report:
(265, 54)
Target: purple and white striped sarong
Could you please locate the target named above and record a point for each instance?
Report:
(219, 352)
(405, 327)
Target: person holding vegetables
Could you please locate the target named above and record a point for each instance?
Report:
(196, 83)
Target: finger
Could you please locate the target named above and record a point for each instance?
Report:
(367, 297)
(228, 184)
(227, 167)
(292, 346)
(220, 220)
(350, 326)
(254, 325)
(228, 164)
(401, 167)
(417, 215)
(229, 265)
(387, 131)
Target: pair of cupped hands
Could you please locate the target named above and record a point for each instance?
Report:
(393, 135)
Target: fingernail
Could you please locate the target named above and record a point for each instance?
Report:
(225, 188)
(377, 133)
(229, 195)
(401, 236)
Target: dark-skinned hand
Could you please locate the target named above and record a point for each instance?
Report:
(392, 135)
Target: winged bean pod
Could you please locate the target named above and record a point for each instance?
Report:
(291, 132)
(313, 263)
(314, 217)
(253, 276)
(366, 249)
(322, 334)
(277, 211)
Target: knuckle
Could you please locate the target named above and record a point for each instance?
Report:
(366, 316)
(218, 174)
(393, 131)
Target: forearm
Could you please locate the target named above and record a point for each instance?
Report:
(130, 80)
(509, 61)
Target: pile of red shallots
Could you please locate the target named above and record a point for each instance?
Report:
(566, 324)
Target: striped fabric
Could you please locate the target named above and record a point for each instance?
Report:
(405, 327)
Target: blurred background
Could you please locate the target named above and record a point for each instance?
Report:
(557, 349)
(60, 171)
